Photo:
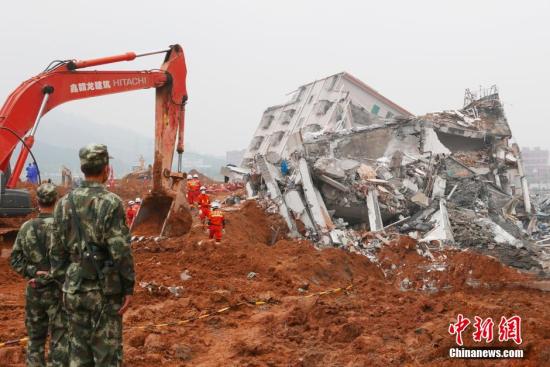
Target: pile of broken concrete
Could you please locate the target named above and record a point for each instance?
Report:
(451, 178)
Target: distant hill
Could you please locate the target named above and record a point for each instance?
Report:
(59, 138)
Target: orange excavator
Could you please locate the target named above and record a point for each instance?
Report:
(164, 211)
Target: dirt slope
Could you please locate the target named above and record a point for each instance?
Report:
(376, 323)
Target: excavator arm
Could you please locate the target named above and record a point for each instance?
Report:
(35, 97)
(20, 116)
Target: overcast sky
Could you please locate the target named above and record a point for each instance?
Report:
(244, 56)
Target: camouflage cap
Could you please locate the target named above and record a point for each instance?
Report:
(46, 193)
(94, 155)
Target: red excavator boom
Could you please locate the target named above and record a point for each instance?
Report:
(64, 81)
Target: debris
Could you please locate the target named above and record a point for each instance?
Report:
(405, 284)
(366, 172)
(185, 275)
(251, 275)
(402, 175)
(176, 291)
(421, 199)
(452, 192)
(398, 275)
(160, 290)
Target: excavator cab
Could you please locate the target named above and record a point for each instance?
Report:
(13, 202)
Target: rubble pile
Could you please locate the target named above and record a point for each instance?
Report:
(397, 311)
(450, 178)
(189, 276)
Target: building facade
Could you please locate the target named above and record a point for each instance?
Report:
(335, 103)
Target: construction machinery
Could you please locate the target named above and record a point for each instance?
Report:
(164, 211)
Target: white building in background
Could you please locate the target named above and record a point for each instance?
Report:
(337, 102)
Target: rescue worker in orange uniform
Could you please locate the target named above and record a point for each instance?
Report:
(216, 222)
(193, 189)
(130, 213)
(190, 185)
(196, 187)
(204, 204)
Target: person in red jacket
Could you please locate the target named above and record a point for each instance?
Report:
(216, 222)
(204, 204)
(130, 213)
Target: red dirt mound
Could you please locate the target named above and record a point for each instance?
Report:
(251, 223)
(449, 268)
(375, 323)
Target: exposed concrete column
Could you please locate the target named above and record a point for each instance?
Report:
(348, 119)
(440, 184)
(442, 230)
(524, 187)
(315, 204)
(497, 178)
(375, 218)
(296, 204)
(276, 195)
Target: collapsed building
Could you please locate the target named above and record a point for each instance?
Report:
(444, 178)
(336, 102)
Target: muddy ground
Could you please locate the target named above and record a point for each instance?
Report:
(385, 319)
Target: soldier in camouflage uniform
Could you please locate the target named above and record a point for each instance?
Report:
(92, 255)
(43, 310)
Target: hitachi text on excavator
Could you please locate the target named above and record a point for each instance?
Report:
(164, 211)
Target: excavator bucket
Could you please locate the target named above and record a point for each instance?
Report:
(151, 215)
(179, 219)
(163, 214)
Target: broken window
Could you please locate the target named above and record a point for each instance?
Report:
(267, 121)
(256, 143)
(312, 128)
(276, 138)
(360, 115)
(286, 116)
(322, 106)
(375, 109)
(389, 115)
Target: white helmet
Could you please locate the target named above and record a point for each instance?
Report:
(189, 177)
(138, 200)
(195, 176)
(131, 202)
(203, 188)
(215, 205)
